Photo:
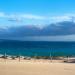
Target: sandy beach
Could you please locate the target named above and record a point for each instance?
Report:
(34, 67)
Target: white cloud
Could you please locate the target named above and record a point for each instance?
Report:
(65, 17)
(21, 16)
(61, 18)
(30, 16)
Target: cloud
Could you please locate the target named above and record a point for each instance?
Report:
(60, 28)
(65, 17)
(37, 17)
(14, 20)
(43, 19)
(30, 16)
(62, 18)
(64, 32)
(21, 19)
(21, 16)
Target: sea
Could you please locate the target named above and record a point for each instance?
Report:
(39, 48)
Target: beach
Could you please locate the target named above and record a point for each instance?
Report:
(35, 67)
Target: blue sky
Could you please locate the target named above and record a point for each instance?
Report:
(40, 7)
(37, 12)
(15, 13)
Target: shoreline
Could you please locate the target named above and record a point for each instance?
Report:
(28, 59)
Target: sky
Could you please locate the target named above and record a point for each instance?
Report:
(35, 12)
(14, 13)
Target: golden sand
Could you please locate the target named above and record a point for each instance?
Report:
(35, 67)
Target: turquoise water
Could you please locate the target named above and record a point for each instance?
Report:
(39, 48)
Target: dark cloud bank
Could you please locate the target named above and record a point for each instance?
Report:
(57, 29)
